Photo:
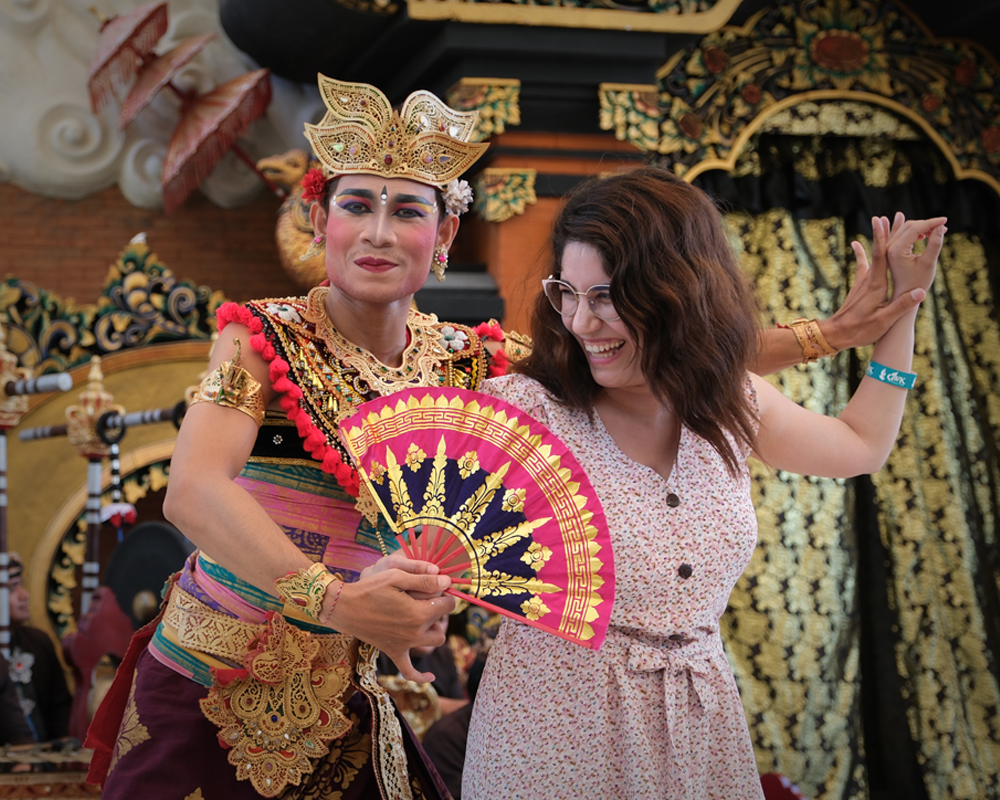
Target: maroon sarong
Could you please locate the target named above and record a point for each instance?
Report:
(165, 749)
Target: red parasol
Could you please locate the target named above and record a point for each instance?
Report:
(158, 73)
(124, 44)
(503, 505)
(209, 126)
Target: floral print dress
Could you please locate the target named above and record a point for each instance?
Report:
(655, 713)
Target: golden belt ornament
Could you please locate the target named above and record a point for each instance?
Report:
(278, 713)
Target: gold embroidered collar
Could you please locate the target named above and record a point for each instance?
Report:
(421, 359)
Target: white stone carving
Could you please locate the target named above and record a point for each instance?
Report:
(52, 144)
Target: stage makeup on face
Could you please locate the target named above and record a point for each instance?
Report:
(348, 197)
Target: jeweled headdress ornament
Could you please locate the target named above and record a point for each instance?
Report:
(426, 141)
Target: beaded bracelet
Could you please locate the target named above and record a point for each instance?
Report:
(326, 617)
(302, 592)
(894, 377)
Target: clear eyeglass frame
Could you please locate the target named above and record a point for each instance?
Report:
(602, 309)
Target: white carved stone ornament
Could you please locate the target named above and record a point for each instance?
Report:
(52, 143)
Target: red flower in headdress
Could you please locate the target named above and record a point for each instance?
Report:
(313, 185)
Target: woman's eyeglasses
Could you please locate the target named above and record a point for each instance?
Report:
(565, 299)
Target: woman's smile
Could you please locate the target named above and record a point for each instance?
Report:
(602, 351)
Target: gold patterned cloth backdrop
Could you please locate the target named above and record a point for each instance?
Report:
(938, 497)
(793, 630)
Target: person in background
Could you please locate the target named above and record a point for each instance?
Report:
(14, 728)
(445, 741)
(35, 669)
(440, 662)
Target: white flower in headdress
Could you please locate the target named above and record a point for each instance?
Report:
(457, 197)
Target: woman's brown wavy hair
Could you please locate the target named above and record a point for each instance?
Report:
(678, 287)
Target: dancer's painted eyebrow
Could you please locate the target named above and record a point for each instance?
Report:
(364, 194)
(414, 198)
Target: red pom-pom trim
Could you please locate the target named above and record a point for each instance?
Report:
(313, 439)
(487, 331)
(500, 364)
(313, 185)
(234, 312)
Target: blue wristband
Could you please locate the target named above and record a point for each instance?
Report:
(894, 377)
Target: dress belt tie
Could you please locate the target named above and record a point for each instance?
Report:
(679, 673)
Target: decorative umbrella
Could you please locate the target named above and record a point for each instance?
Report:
(209, 126)
(124, 45)
(158, 73)
(501, 505)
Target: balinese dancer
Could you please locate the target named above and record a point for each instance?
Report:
(259, 678)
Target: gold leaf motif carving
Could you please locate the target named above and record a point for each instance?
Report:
(504, 193)
(713, 95)
(496, 100)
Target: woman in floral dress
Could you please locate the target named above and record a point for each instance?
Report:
(643, 340)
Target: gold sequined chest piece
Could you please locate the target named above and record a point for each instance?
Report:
(421, 360)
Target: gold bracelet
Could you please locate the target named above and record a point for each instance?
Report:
(232, 386)
(811, 340)
(302, 592)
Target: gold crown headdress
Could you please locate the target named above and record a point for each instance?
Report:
(426, 141)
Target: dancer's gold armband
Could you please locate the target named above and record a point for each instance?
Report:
(233, 387)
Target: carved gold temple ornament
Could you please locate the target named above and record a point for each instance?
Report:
(12, 407)
(496, 99)
(663, 16)
(632, 111)
(141, 302)
(84, 431)
(70, 551)
(504, 193)
(712, 99)
(81, 418)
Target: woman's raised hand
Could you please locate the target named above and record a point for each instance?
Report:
(912, 273)
(868, 311)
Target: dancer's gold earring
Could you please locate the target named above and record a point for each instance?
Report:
(316, 246)
(440, 262)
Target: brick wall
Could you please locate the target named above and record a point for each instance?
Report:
(66, 246)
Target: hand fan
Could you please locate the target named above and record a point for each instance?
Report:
(475, 485)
